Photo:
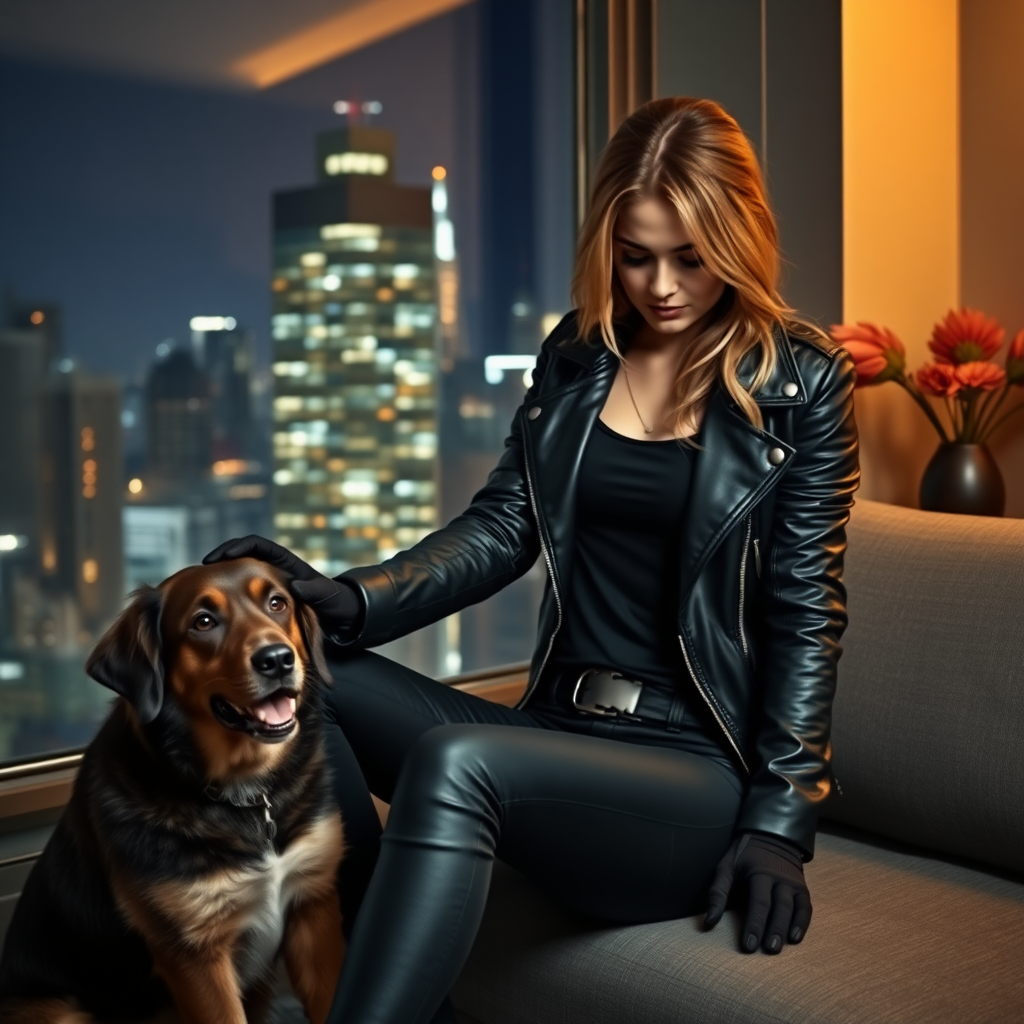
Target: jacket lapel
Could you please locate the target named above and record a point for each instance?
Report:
(736, 467)
(556, 429)
(730, 475)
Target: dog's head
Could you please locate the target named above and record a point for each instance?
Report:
(227, 644)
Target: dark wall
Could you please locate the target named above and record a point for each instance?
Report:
(790, 106)
(991, 198)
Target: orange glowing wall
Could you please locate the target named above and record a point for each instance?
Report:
(933, 139)
(901, 216)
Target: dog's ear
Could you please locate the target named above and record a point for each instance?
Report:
(313, 635)
(127, 657)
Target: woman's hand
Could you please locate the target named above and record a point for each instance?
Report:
(337, 605)
(778, 904)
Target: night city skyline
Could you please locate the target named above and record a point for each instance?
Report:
(136, 235)
(141, 204)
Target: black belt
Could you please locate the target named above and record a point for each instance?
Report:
(608, 693)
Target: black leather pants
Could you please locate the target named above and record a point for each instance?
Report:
(622, 831)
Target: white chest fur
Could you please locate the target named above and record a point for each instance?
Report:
(247, 908)
(297, 872)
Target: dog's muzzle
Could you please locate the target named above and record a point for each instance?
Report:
(270, 720)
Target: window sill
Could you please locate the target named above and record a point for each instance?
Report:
(33, 794)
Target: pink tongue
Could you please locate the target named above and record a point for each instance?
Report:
(277, 709)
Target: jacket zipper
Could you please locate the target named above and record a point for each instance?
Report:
(743, 586)
(707, 700)
(554, 582)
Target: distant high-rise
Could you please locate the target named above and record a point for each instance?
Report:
(450, 325)
(354, 358)
(224, 351)
(22, 379)
(179, 438)
(42, 320)
(82, 492)
(60, 499)
(199, 482)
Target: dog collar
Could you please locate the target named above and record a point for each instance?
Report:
(269, 825)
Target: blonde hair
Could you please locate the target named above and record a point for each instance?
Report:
(693, 154)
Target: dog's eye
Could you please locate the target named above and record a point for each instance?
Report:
(204, 621)
(277, 603)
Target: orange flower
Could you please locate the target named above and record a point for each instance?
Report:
(980, 375)
(937, 379)
(966, 336)
(1015, 360)
(877, 353)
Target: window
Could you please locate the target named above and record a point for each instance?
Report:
(303, 308)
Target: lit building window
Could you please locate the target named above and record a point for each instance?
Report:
(331, 232)
(213, 323)
(356, 163)
(244, 492)
(88, 439)
(90, 570)
(89, 478)
(495, 367)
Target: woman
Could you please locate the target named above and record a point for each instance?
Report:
(684, 462)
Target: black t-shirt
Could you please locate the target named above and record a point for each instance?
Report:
(630, 507)
(621, 613)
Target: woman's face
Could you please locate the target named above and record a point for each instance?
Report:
(659, 268)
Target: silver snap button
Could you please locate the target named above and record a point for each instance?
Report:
(789, 389)
(533, 413)
(776, 455)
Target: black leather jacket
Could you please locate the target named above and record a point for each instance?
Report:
(761, 601)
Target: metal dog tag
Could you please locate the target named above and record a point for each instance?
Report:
(269, 824)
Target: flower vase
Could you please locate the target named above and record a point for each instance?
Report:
(963, 478)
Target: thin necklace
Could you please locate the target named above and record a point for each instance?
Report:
(647, 429)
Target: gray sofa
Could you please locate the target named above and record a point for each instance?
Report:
(918, 881)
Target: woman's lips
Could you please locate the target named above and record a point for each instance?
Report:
(667, 312)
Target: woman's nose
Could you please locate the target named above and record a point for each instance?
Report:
(664, 283)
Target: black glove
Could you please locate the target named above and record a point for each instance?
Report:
(778, 902)
(338, 605)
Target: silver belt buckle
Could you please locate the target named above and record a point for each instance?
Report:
(604, 692)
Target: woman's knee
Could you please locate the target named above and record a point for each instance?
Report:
(446, 778)
(450, 756)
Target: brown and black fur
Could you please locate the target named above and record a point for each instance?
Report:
(144, 896)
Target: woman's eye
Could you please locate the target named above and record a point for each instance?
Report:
(690, 263)
(633, 261)
(278, 603)
(203, 622)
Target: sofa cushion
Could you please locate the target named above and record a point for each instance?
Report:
(928, 723)
(896, 937)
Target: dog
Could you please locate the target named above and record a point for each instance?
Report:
(201, 838)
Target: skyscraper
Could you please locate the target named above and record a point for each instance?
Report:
(82, 486)
(42, 320)
(354, 358)
(22, 379)
(179, 439)
(450, 326)
(224, 351)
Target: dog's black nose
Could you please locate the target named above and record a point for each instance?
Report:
(274, 660)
